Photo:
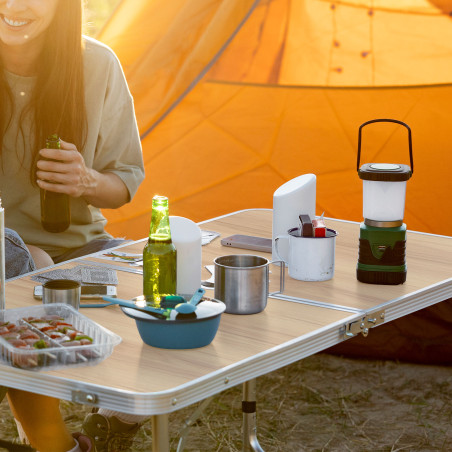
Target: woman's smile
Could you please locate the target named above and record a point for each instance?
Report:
(15, 22)
(23, 21)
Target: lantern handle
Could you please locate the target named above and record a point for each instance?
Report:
(386, 120)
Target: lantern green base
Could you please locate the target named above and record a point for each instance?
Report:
(381, 257)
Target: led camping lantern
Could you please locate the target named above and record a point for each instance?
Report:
(382, 238)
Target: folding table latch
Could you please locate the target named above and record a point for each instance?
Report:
(84, 397)
(364, 324)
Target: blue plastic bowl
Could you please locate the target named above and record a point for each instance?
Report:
(179, 331)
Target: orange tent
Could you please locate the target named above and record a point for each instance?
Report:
(235, 97)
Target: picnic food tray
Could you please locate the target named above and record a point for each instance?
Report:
(48, 337)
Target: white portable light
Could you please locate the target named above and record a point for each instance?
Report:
(384, 200)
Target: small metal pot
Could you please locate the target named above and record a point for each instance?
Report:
(179, 331)
(64, 291)
(241, 282)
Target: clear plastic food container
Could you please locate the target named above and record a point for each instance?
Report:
(49, 337)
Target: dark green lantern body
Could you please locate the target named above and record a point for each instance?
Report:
(381, 258)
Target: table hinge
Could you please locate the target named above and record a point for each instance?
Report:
(364, 324)
(84, 397)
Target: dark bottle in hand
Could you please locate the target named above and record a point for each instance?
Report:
(55, 207)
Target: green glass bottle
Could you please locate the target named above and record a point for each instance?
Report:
(55, 207)
(159, 255)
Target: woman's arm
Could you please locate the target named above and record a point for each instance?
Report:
(71, 176)
(105, 190)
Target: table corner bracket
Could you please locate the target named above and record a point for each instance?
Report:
(364, 324)
(88, 398)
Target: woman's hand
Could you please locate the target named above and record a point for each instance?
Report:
(64, 171)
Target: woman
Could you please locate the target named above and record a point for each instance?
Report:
(55, 81)
(51, 84)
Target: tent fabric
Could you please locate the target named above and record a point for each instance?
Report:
(235, 97)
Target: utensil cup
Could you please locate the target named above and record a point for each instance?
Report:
(64, 291)
(310, 258)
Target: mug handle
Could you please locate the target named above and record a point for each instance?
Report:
(282, 273)
(280, 259)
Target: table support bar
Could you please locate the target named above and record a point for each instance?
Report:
(190, 421)
(250, 442)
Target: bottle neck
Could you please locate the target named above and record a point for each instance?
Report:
(53, 142)
(160, 226)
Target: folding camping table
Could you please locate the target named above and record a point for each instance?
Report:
(306, 318)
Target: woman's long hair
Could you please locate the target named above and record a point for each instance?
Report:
(58, 101)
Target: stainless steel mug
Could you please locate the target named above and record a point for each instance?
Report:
(64, 291)
(241, 282)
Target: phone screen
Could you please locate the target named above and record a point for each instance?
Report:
(95, 289)
(87, 292)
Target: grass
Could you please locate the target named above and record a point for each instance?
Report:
(322, 403)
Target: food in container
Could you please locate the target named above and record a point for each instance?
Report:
(52, 336)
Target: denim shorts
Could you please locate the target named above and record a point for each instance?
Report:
(18, 259)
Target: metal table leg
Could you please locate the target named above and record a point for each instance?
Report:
(250, 442)
(160, 433)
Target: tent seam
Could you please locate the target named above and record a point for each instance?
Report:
(201, 73)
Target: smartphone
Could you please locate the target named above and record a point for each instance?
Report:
(248, 242)
(90, 292)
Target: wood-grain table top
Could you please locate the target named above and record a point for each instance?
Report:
(134, 366)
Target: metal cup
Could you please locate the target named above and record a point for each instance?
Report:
(241, 282)
(64, 291)
(310, 258)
